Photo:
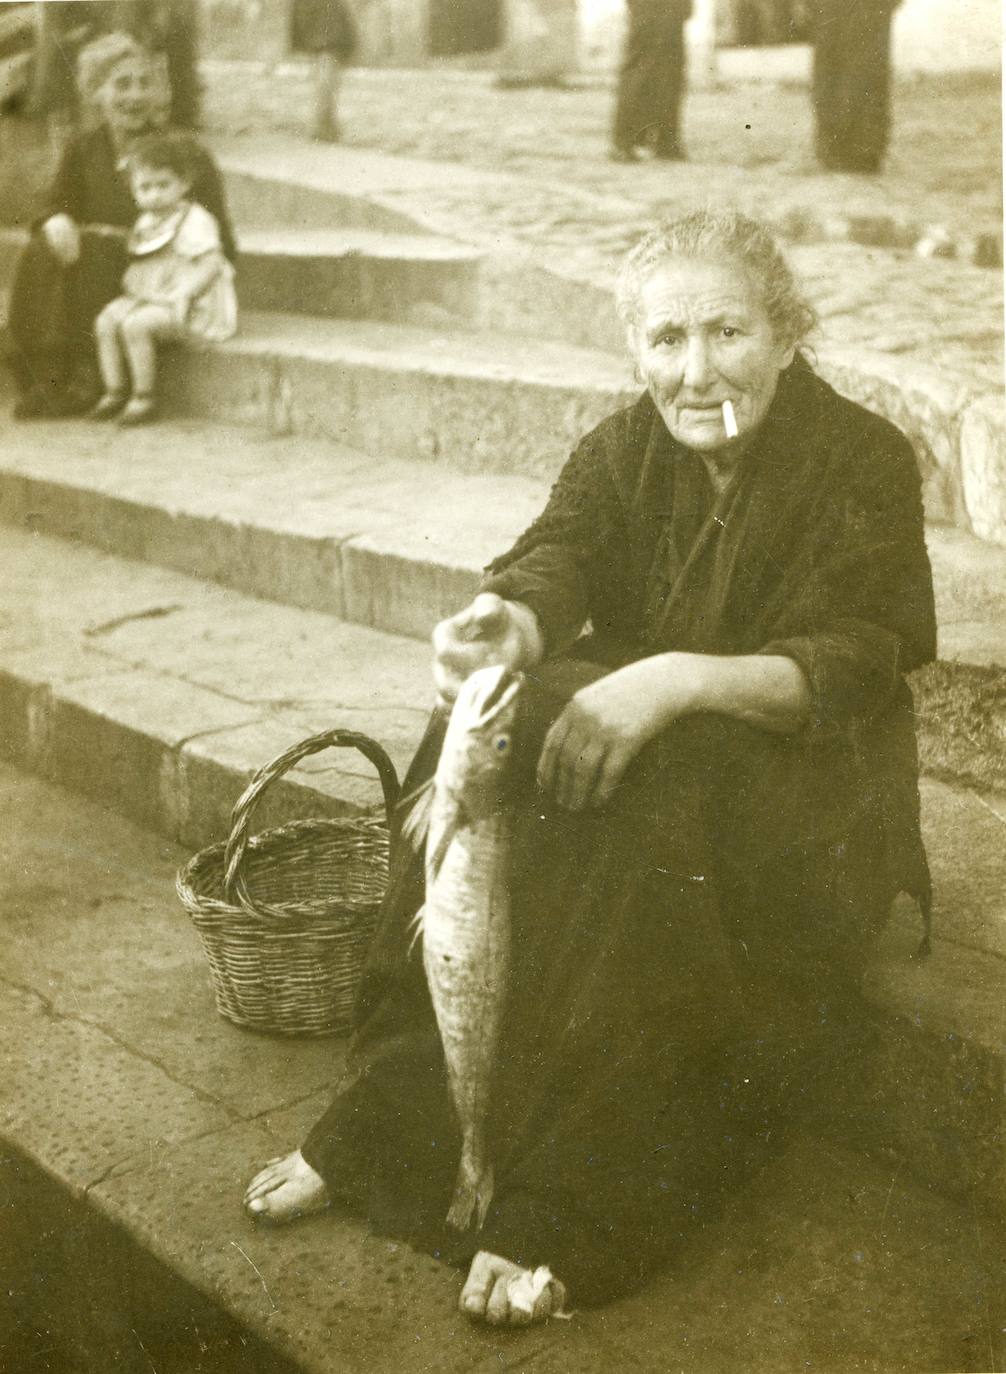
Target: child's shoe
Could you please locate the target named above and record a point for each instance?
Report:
(139, 410)
(109, 406)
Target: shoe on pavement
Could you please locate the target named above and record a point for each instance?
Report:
(139, 410)
(109, 406)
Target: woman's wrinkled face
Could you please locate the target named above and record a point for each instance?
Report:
(130, 95)
(702, 337)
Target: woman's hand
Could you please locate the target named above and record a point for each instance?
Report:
(488, 631)
(63, 237)
(605, 725)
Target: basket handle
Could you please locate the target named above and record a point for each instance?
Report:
(234, 883)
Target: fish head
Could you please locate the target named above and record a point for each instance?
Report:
(476, 758)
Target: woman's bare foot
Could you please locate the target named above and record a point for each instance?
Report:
(502, 1293)
(285, 1190)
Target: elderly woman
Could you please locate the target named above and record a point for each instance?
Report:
(74, 262)
(721, 801)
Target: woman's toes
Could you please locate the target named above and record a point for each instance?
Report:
(498, 1306)
(551, 1301)
(286, 1189)
(478, 1285)
(502, 1293)
(262, 1183)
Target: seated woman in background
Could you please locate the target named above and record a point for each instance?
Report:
(74, 263)
(721, 802)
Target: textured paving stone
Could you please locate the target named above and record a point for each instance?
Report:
(749, 143)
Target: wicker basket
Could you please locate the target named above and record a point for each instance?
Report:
(285, 918)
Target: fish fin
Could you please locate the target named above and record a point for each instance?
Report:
(456, 819)
(416, 825)
(417, 928)
(472, 1196)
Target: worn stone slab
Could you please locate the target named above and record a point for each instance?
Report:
(355, 274)
(473, 401)
(362, 537)
(192, 690)
(92, 924)
(365, 538)
(73, 1091)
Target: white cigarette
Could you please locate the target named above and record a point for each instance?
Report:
(729, 420)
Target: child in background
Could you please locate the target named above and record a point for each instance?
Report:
(178, 284)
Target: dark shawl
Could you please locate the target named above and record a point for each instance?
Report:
(816, 551)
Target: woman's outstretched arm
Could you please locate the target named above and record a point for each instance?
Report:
(606, 724)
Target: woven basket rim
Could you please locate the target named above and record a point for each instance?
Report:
(200, 905)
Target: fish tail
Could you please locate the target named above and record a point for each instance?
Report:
(473, 1192)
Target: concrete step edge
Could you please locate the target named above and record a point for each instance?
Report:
(120, 493)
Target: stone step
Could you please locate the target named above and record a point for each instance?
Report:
(389, 542)
(478, 402)
(157, 695)
(160, 694)
(384, 542)
(133, 1116)
(359, 274)
(352, 273)
(397, 544)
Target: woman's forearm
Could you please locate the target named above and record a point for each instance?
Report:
(769, 691)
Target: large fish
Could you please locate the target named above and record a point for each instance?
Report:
(465, 922)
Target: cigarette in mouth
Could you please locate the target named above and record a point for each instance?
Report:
(729, 420)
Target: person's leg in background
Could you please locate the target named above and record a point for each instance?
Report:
(851, 83)
(327, 81)
(651, 80)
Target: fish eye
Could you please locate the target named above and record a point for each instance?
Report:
(502, 744)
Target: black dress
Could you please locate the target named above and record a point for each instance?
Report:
(686, 961)
(52, 307)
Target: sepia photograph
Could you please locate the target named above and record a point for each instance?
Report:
(502, 687)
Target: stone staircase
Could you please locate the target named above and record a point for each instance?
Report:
(182, 603)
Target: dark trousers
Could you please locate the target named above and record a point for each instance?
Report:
(652, 78)
(852, 82)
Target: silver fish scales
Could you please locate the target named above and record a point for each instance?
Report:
(465, 921)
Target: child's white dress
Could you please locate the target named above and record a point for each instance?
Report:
(164, 254)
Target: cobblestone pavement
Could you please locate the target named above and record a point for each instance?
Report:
(749, 144)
